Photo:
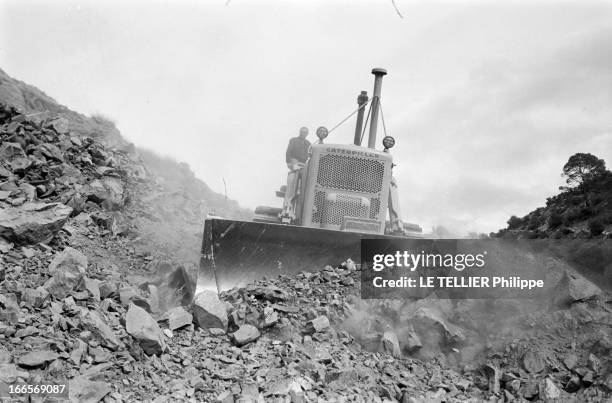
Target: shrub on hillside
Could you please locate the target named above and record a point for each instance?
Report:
(514, 222)
(533, 223)
(596, 226)
(554, 220)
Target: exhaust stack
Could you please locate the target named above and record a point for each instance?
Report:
(378, 76)
(362, 99)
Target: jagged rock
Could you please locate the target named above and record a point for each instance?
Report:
(33, 222)
(573, 384)
(533, 362)
(318, 324)
(225, 397)
(144, 328)
(37, 358)
(9, 373)
(572, 288)
(424, 317)
(107, 192)
(548, 391)
(50, 151)
(270, 316)
(92, 286)
(67, 268)
(269, 293)
(29, 190)
(175, 287)
(28, 331)
(570, 360)
(34, 297)
(390, 344)
(5, 356)
(92, 321)
(4, 173)
(100, 354)
(113, 222)
(60, 125)
(178, 317)
(127, 294)
(409, 340)
(593, 363)
(14, 155)
(9, 308)
(82, 390)
(79, 348)
(107, 289)
(494, 377)
(209, 311)
(245, 334)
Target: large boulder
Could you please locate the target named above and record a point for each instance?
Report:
(33, 222)
(16, 158)
(9, 373)
(209, 311)
(37, 358)
(145, 329)
(108, 192)
(178, 317)
(573, 288)
(432, 329)
(50, 152)
(67, 268)
(60, 125)
(245, 334)
(390, 344)
(94, 322)
(34, 297)
(82, 390)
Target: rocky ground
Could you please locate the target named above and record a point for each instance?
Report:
(92, 295)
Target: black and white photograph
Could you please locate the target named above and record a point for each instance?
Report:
(305, 201)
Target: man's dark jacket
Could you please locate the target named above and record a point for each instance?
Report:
(298, 149)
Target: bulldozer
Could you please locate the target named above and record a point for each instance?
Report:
(342, 194)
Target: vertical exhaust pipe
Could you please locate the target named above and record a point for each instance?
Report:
(378, 76)
(362, 99)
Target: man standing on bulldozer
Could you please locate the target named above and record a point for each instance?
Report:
(296, 157)
(297, 150)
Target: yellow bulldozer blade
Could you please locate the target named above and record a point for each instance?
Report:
(235, 253)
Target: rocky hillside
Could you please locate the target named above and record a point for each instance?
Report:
(581, 211)
(166, 202)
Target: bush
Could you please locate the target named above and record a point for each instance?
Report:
(576, 200)
(596, 226)
(514, 222)
(554, 220)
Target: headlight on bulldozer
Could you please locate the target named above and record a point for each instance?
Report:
(322, 133)
(388, 142)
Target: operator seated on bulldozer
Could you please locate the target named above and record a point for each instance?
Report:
(296, 157)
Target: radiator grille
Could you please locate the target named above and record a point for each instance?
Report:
(338, 206)
(319, 202)
(374, 207)
(350, 173)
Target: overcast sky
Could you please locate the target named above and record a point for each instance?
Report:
(486, 100)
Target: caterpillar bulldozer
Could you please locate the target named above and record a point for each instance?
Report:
(343, 193)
